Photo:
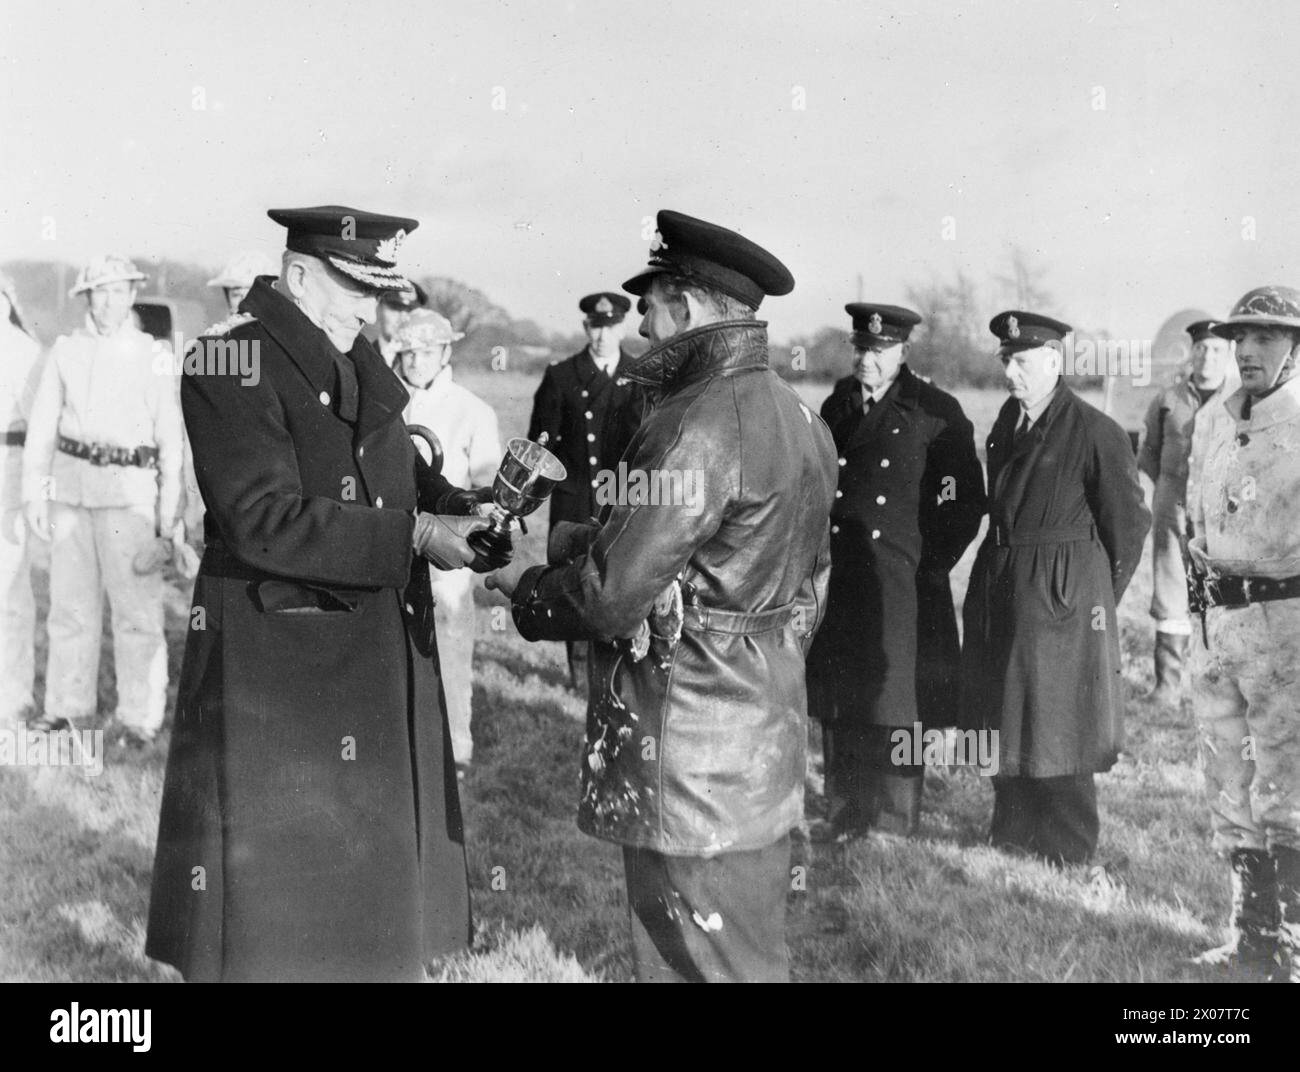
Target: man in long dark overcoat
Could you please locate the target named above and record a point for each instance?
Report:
(310, 825)
(909, 502)
(1040, 650)
(589, 411)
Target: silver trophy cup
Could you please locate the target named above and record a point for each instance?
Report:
(528, 474)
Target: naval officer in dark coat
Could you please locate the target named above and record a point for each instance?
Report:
(909, 502)
(310, 826)
(590, 412)
(1040, 652)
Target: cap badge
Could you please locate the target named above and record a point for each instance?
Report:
(386, 251)
(874, 325)
(657, 243)
(604, 307)
(1013, 328)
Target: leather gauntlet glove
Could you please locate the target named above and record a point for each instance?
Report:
(442, 539)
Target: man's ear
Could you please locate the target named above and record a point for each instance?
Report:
(695, 310)
(295, 278)
(1056, 361)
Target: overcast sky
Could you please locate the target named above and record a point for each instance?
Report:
(1123, 145)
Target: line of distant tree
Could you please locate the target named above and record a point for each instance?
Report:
(952, 345)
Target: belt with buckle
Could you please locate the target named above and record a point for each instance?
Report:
(103, 454)
(15, 439)
(1001, 537)
(1234, 590)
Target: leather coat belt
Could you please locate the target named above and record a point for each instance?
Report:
(738, 622)
(103, 454)
(1232, 590)
(1028, 538)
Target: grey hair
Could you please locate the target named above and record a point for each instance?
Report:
(723, 306)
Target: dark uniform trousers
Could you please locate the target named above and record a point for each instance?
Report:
(717, 919)
(864, 786)
(1055, 818)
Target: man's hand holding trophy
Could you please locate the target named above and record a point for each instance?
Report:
(528, 474)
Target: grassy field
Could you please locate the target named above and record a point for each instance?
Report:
(76, 851)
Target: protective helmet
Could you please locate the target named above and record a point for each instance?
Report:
(424, 330)
(106, 269)
(243, 268)
(1273, 306)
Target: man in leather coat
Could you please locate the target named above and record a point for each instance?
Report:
(701, 591)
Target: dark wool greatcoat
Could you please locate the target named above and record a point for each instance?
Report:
(590, 418)
(909, 502)
(1040, 653)
(310, 825)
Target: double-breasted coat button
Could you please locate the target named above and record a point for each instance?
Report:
(875, 534)
(894, 430)
(834, 529)
(361, 452)
(588, 415)
(880, 500)
(592, 460)
(884, 463)
(410, 609)
(844, 461)
(591, 437)
(324, 398)
(839, 494)
(379, 501)
(584, 394)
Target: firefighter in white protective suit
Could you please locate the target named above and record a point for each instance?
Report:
(102, 482)
(1244, 508)
(19, 370)
(466, 428)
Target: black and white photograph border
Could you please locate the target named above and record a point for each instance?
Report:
(829, 407)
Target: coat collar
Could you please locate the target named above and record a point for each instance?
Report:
(1282, 405)
(1062, 399)
(906, 389)
(584, 365)
(380, 392)
(728, 346)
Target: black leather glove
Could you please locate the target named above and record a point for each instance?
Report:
(491, 551)
(570, 540)
(464, 502)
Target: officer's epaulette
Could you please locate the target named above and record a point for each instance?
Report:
(224, 327)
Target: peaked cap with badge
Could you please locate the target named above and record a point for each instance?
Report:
(1202, 330)
(411, 297)
(713, 257)
(880, 325)
(361, 245)
(1018, 330)
(604, 308)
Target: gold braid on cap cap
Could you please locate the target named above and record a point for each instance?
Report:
(369, 274)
